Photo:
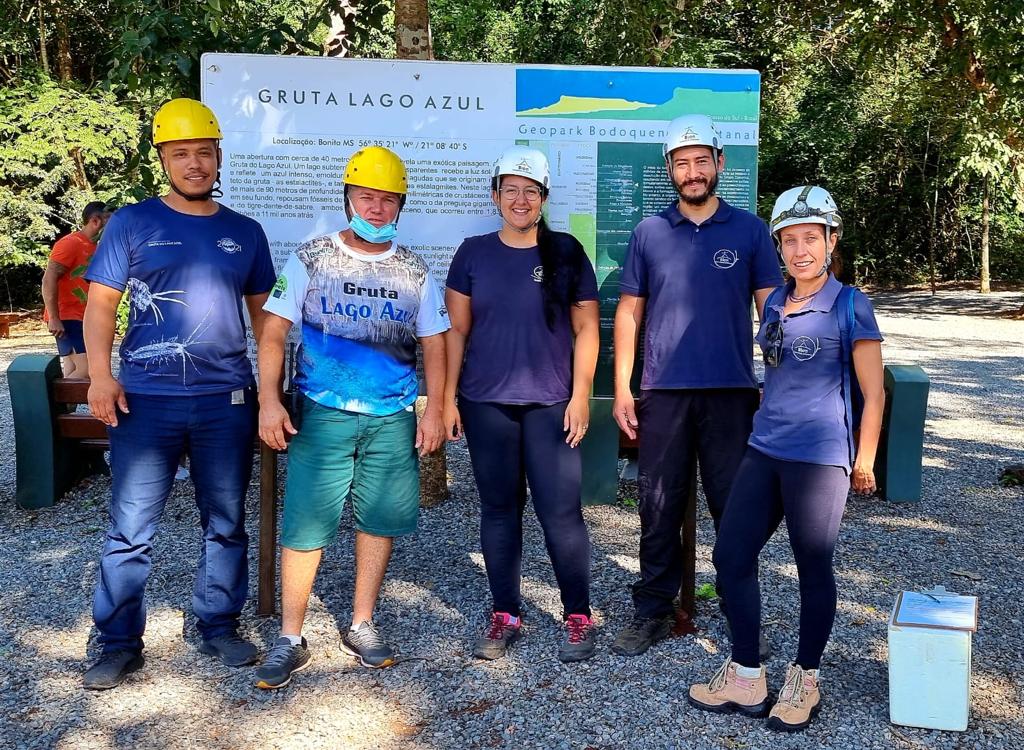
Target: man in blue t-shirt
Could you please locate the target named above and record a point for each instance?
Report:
(363, 303)
(693, 270)
(185, 384)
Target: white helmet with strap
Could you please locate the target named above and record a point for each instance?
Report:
(808, 204)
(693, 130)
(525, 162)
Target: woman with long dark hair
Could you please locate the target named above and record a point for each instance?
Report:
(814, 437)
(522, 352)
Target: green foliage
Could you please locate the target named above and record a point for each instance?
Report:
(705, 592)
(58, 149)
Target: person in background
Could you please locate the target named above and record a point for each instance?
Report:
(65, 290)
(801, 459)
(522, 353)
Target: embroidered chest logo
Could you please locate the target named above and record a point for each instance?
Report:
(229, 246)
(804, 348)
(538, 274)
(725, 258)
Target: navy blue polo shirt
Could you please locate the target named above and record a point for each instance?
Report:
(699, 281)
(185, 276)
(803, 415)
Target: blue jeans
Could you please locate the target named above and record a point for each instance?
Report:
(144, 451)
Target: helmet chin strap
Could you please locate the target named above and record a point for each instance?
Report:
(828, 253)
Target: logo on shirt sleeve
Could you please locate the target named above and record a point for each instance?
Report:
(229, 246)
(804, 348)
(725, 258)
(280, 287)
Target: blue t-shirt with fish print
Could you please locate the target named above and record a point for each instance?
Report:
(185, 277)
(361, 316)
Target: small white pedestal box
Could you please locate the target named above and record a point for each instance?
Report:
(930, 659)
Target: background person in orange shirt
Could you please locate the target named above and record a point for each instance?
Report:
(65, 289)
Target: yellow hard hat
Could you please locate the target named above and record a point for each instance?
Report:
(378, 168)
(184, 120)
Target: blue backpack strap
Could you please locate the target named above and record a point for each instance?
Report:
(844, 312)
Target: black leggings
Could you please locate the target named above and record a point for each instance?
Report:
(811, 498)
(509, 445)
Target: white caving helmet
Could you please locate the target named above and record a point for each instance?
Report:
(693, 130)
(808, 204)
(525, 162)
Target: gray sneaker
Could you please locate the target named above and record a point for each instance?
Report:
(283, 660)
(579, 643)
(111, 668)
(231, 649)
(366, 644)
(501, 634)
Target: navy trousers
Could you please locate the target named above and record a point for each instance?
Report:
(509, 445)
(144, 451)
(711, 423)
(811, 498)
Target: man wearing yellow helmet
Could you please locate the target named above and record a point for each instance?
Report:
(362, 302)
(185, 384)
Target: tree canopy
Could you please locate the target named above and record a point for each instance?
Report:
(910, 113)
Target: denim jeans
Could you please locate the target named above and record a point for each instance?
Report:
(144, 451)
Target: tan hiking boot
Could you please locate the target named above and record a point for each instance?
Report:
(728, 693)
(799, 701)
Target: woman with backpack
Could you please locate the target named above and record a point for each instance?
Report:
(814, 437)
(522, 351)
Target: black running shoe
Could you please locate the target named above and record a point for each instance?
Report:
(284, 659)
(641, 634)
(111, 669)
(366, 644)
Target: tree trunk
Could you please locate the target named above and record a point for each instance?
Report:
(412, 30)
(986, 286)
(412, 42)
(63, 48)
(43, 59)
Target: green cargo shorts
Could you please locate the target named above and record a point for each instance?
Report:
(338, 454)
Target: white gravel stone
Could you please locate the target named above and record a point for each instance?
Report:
(435, 600)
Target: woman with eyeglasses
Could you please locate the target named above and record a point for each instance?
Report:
(522, 352)
(819, 340)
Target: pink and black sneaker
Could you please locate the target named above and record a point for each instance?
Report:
(502, 632)
(579, 643)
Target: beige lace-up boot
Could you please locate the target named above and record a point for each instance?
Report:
(728, 693)
(799, 702)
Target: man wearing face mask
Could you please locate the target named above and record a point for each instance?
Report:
(693, 271)
(363, 302)
(185, 384)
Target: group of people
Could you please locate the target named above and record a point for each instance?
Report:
(509, 352)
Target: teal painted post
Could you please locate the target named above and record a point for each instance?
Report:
(600, 455)
(41, 469)
(898, 467)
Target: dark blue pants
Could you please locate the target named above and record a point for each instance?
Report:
(510, 445)
(811, 498)
(144, 452)
(713, 424)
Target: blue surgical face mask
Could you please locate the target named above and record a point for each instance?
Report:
(370, 233)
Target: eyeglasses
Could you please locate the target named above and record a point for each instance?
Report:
(511, 193)
(773, 337)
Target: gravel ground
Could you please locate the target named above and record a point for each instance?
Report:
(435, 597)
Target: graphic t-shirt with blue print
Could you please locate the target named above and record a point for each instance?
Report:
(185, 276)
(803, 414)
(361, 316)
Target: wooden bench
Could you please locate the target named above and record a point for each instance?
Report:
(53, 445)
